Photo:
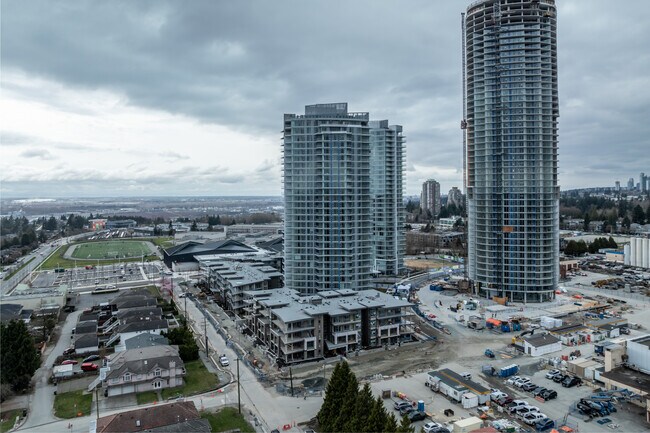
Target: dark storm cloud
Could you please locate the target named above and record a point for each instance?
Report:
(242, 64)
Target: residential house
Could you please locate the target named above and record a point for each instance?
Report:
(145, 369)
(172, 417)
(146, 339)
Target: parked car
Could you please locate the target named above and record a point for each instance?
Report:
(504, 401)
(549, 394)
(406, 410)
(223, 360)
(560, 377)
(70, 362)
(529, 387)
(551, 374)
(68, 351)
(545, 424)
(431, 426)
(521, 382)
(533, 418)
(516, 404)
(494, 396)
(91, 358)
(570, 382)
(89, 366)
(400, 404)
(538, 391)
(525, 410)
(512, 380)
(416, 415)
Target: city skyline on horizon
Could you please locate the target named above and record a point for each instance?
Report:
(105, 109)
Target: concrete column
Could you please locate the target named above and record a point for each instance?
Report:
(626, 254)
(645, 253)
(633, 252)
(639, 253)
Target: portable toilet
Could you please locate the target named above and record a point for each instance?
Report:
(420, 405)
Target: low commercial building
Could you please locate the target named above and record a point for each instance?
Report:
(145, 369)
(298, 328)
(541, 344)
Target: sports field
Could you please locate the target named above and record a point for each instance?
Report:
(110, 250)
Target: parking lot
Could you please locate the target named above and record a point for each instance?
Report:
(93, 276)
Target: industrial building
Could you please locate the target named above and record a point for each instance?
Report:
(511, 111)
(637, 253)
(188, 251)
(296, 328)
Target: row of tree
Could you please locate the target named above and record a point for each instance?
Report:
(577, 248)
(346, 408)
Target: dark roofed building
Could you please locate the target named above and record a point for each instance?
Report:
(274, 245)
(173, 417)
(85, 343)
(145, 340)
(185, 252)
(9, 312)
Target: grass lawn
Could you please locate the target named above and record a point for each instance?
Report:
(15, 271)
(146, 397)
(227, 419)
(8, 420)
(110, 249)
(69, 404)
(197, 380)
(56, 260)
(163, 242)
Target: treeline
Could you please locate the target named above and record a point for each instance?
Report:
(605, 209)
(577, 248)
(415, 214)
(346, 408)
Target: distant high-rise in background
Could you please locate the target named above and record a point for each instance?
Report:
(455, 197)
(630, 184)
(618, 185)
(511, 109)
(430, 197)
(642, 182)
(328, 209)
(387, 192)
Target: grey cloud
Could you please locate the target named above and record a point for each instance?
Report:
(38, 154)
(244, 64)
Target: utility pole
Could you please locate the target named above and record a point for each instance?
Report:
(238, 388)
(205, 331)
(97, 401)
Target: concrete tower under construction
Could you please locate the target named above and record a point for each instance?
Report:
(510, 127)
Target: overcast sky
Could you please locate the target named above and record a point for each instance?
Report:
(187, 98)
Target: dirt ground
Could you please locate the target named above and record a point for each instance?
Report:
(425, 264)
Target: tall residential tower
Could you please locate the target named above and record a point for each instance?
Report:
(386, 191)
(511, 112)
(430, 197)
(328, 221)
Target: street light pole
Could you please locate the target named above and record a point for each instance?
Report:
(238, 388)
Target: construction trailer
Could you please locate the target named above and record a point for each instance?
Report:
(453, 385)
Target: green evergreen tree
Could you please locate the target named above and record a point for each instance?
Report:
(334, 394)
(377, 418)
(18, 356)
(391, 424)
(362, 409)
(347, 415)
(405, 425)
(638, 216)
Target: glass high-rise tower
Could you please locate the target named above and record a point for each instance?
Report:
(328, 211)
(387, 195)
(511, 112)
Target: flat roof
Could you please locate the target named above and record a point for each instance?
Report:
(456, 380)
(633, 379)
(645, 340)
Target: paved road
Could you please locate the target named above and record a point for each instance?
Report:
(42, 400)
